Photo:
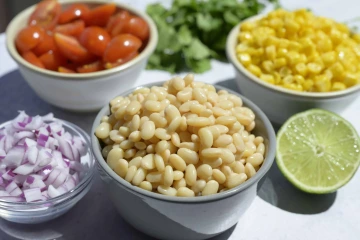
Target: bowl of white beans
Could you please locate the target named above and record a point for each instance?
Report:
(182, 159)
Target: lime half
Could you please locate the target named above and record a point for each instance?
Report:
(318, 151)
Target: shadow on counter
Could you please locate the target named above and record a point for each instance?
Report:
(276, 190)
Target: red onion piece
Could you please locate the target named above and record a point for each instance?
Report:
(11, 186)
(4, 193)
(52, 176)
(16, 192)
(2, 154)
(61, 178)
(24, 169)
(32, 194)
(52, 192)
(8, 175)
(14, 157)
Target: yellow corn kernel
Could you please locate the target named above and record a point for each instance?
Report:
(303, 58)
(280, 62)
(291, 26)
(299, 79)
(301, 69)
(254, 70)
(288, 79)
(337, 86)
(247, 26)
(294, 46)
(242, 47)
(356, 37)
(281, 32)
(336, 36)
(277, 78)
(284, 71)
(324, 45)
(282, 52)
(350, 79)
(268, 78)
(284, 43)
(308, 84)
(322, 83)
(271, 41)
(293, 58)
(276, 23)
(267, 65)
(244, 58)
(270, 52)
(337, 69)
(293, 86)
(314, 68)
(328, 58)
(245, 37)
(343, 28)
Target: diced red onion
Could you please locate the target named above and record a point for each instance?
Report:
(32, 194)
(14, 156)
(12, 199)
(36, 154)
(53, 192)
(4, 193)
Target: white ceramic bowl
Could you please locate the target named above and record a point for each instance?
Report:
(167, 217)
(80, 92)
(280, 103)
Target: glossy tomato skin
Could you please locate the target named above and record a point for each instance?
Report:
(28, 38)
(121, 47)
(70, 48)
(91, 67)
(137, 27)
(117, 23)
(73, 12)
(46, 14)
(71, 29)
(65, 70)
(52, 60)
(121, 61)
(100, 15)
(46, 44)
(95, 39)
(33, 59)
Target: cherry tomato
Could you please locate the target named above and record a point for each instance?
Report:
(72, 29)
(52, 60)
(92, 67)
(72, 49)
(28, 38)
(73, 12)
(117, 23)
(95, 39)
(65, 70)
(137, 27)
(33, 59)
(100, 15)
(47, 44)
(121, 47)
(121, 61)
(46, 14)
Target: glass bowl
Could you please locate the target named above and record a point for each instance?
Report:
(38, 212)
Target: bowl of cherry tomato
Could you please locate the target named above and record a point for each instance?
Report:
(78, 54)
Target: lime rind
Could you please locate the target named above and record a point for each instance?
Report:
(324, 134)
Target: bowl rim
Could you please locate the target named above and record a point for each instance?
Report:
(68, 195)
(269, 159)
(147, 51)
(231, 55)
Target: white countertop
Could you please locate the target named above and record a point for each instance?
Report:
(280, 211)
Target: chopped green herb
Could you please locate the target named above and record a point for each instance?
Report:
(192, 32)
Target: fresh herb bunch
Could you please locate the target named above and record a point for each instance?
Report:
(192, 32)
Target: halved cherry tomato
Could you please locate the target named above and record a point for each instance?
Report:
(95, 39)
(65, 70)
(100, 15)
(137, 27)
(117, 23)
(121, 61)
(121, 47)
(33, 59)
(72, 49)
(46, 14)
(75, 11)
(28, 38)
(46, 44)
(92, 67)
(72, 29)
(52, 60)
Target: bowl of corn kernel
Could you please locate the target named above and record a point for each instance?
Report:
(287, 62)
(179, 157)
